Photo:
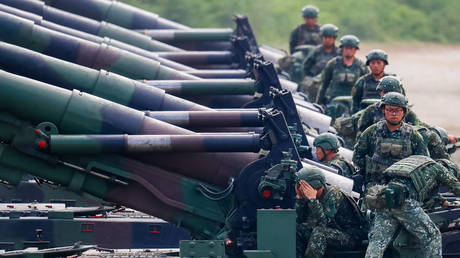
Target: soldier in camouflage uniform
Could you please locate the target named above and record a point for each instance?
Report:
(308, 32)
(398, 204)
(293, 64)
(341, 72)
(326, 216)
(436, 146)
(373, 113)
(365, 87)
(387, 141)
(316, 60)
(327, 148)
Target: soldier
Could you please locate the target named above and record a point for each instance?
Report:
(373, 113)
(398, 204)
(317, 60)
(365, 87)
(326, 216)
(387, 141)
(327, 148)
(436, 146)
(308, 32)
(341, 72)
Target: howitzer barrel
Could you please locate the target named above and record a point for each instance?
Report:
(117, 13)
(206, 87)
(84, 24)
(24, 33)
(74, 112)
(199, 119)
(219, 74)
(97, 144)
(93, 38)
(100, 83)
(190, 34)
(199, 57)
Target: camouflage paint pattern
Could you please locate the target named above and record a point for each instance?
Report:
(206, 87)
(106, 85)
(93, 38)
(90, 26)
(24, 33)
(117, 13)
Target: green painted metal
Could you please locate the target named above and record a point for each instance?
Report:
(206, 87)
(276, 232)
(202, 248)
(259, 254)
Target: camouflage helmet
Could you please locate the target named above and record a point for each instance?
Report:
(327, 141)
(442, 134)
(328, 30)
(310, 11)
(313, 175)
(389, 84)
(349, 41)
(394, 99)
(449, 165)
(377, 54)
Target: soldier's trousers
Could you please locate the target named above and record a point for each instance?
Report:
(411, 217)
(313, 243)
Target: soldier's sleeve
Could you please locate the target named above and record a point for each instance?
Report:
(364, 120)
(448, 179)
(293, 40)
(301, 210)
(364, 69)
(436, 147)
(418, 145)
(411, 118)
(361, 149)
(308, 63)
(325, 212)
(357, 95)
(326, 77)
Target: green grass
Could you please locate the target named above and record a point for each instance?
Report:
(371, 20)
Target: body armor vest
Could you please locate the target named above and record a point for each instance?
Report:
(343, 78)
(308, 37)
(388, 150)
(321, 57)
(418, 170)
(369, 87)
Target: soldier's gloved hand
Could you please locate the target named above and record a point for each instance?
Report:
(307, 191)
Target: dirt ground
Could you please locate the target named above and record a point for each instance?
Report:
(431, 77)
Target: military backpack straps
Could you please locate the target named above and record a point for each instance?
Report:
(416, 168)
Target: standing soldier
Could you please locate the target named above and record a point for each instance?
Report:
(411, 182)
(327, 148)
(365, 87)
(387, 141)
(308, 32)
(317, 59)
(341, 72)
(373, 113)
(326, 216)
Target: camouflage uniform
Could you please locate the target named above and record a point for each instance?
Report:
(378, 148)
(317, 60)
(365, 88)
(302, 35)
(417, 177)
(373, 113)
(433, 142)
(327, 221)
(344, 167)
(338, 79)
(347, 128)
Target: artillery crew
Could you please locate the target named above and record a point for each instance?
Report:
(306, 33)
(327, 148)
(341, 72)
